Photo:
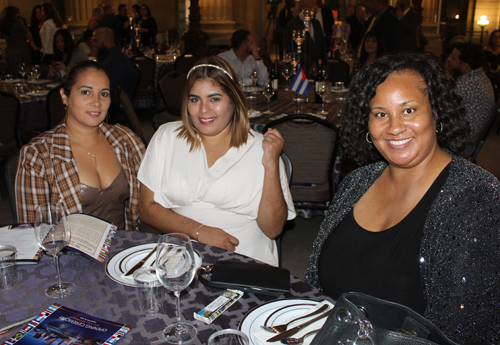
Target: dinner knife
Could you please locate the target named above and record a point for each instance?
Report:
(294, 330)
(140, 263)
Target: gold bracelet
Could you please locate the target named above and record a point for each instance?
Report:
(198, 232)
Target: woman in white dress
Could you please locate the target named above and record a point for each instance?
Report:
(211, 176)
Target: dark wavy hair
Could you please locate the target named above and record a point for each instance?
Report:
(445, 104)
(490, 41)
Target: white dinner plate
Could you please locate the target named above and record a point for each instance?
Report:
(255, 114)
(37, 93)
(341, 90)
(13, 81)
(124, 260)
(52, 85)
(276, 313)
(40, 81)
(253, 89)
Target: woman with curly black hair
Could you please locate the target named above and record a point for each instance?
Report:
(420, 226)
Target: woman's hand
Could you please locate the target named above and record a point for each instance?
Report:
(217, 237)
(272, 146)
(60, 66)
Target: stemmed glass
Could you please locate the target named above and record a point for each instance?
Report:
(52, 234)
(22, 70)
(254, 78)
(175, 267)
(286, 74)
(36, 71)
(321, 92)
(268, 93)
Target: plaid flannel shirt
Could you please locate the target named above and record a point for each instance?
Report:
(47, 172)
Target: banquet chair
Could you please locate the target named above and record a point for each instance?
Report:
(130, 115)
(185, 62)
(486, 131)
(55, 107)
(163, 116)
(146, 84)
(137, 80)
(172, 88)
(10, 138)
(311, 144)
(288, 167)
(10, 171)
(338, 70)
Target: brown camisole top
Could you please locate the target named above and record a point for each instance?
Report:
(107, 203)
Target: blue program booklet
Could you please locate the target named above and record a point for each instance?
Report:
(65, 326)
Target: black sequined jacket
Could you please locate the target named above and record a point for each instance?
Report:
(459, 253)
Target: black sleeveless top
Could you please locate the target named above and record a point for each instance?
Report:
(382, 264)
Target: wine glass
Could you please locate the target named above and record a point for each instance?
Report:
(175, 267)
(268, 92)
(254, 78)
(37, 71)
(321, 92)
(22, 70)
(52, 234)
(286, 74)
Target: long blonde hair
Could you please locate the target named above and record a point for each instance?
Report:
(240, 125)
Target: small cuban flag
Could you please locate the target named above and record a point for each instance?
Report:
(300, 83)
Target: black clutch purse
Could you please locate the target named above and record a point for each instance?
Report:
(248, 277)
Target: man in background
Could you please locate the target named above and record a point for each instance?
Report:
(357, 22)
(465, 64)
(410, 22)
(117, 66)
(109, 20)
(123, 17)
(324, 15)
(385, 22)
(244, 58)
(313, 46)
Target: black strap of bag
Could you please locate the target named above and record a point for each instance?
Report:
(363, 319)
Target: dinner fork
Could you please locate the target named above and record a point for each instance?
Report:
(283, 327)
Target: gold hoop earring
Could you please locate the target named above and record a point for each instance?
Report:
(368, 140)
(441, 129)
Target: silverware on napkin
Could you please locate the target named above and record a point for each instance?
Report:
(140, 263)
(294, 330)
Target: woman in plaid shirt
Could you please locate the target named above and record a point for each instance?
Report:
(87, 164)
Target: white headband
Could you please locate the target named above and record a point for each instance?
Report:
(210, 65)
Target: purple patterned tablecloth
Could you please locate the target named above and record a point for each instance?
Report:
(96, 294)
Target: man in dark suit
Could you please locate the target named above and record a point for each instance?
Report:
(313, 47)
(325, 16)
(410, 22)
(285, 16)
(385, 22)
(357, 22)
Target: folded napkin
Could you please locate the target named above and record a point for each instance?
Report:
(262, 335)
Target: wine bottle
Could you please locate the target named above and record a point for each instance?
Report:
(273, 79)
(318, 81)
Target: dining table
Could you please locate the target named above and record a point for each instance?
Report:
(32, 97)
(100, 296)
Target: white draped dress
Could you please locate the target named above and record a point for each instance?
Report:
(226, 195)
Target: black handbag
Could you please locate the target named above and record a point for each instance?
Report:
(249, 277)
(362, 319)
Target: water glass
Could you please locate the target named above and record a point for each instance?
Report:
(339, 85)
(339, 105)
(8, 77)
(228, 337)
(8, 267)
(150, 292)
(298, 104)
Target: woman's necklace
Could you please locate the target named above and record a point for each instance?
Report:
(223, 141)
(91, 154)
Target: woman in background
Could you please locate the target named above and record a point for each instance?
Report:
(36, 24)
(49, 28)
(373, 47)
(149, 28)
(492, 52)
(15, 34)
(65, 55)
(87, 164)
